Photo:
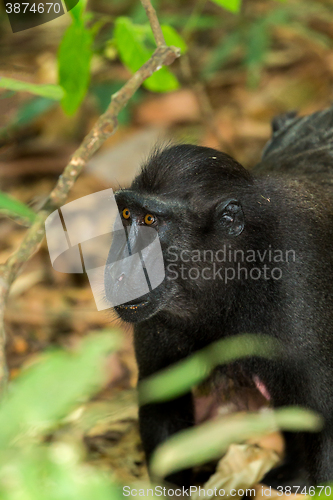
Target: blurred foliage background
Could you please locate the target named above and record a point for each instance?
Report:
(241, 66)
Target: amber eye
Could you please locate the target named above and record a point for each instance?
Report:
(149, 219)
(126, 213)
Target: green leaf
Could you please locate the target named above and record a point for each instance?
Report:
(27, 114)
(51, 91)
(258, 42)
(103, 93)
(321, 491)
(211, 440)
(52, 472)
(133, 53)
(14, 208)
(129, 44)
(173, 38)
(31, 110)
(47, 391)
(7, 94)
(74, 58)
(162, 81)
(232, 5)
(77, 11)
(221, 54)
(182, 376)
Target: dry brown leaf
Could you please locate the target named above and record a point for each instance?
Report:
(243, 466)
(174, 107)
(120, 163)
(25, 282)
(20, 345)
(273, 441)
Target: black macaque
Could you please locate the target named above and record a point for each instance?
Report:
(279, 217)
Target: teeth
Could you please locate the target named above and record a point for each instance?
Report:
(134, 306)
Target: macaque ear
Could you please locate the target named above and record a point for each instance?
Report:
(230, 216)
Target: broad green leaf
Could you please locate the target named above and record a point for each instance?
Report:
(77, 11)
(211, 439)
(172, 37)
(52, 472)
(129, 44)
(182, 376)
(14, 208)
(133, 53)
(232, 5)
(162, 81)
(74, 58)
(47, 391)
(51, 91)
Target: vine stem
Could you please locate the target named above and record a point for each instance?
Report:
(102, 130)
(154, 23)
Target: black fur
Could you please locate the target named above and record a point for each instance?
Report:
(203, 200)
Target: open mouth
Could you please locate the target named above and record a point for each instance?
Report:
(134, 305)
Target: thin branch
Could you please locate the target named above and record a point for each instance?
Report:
(154, 23)
(103, 128)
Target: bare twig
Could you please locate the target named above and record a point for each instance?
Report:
(154, 23)
(104, 127)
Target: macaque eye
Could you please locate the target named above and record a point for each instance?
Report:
(149, 219)
(126, 213)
